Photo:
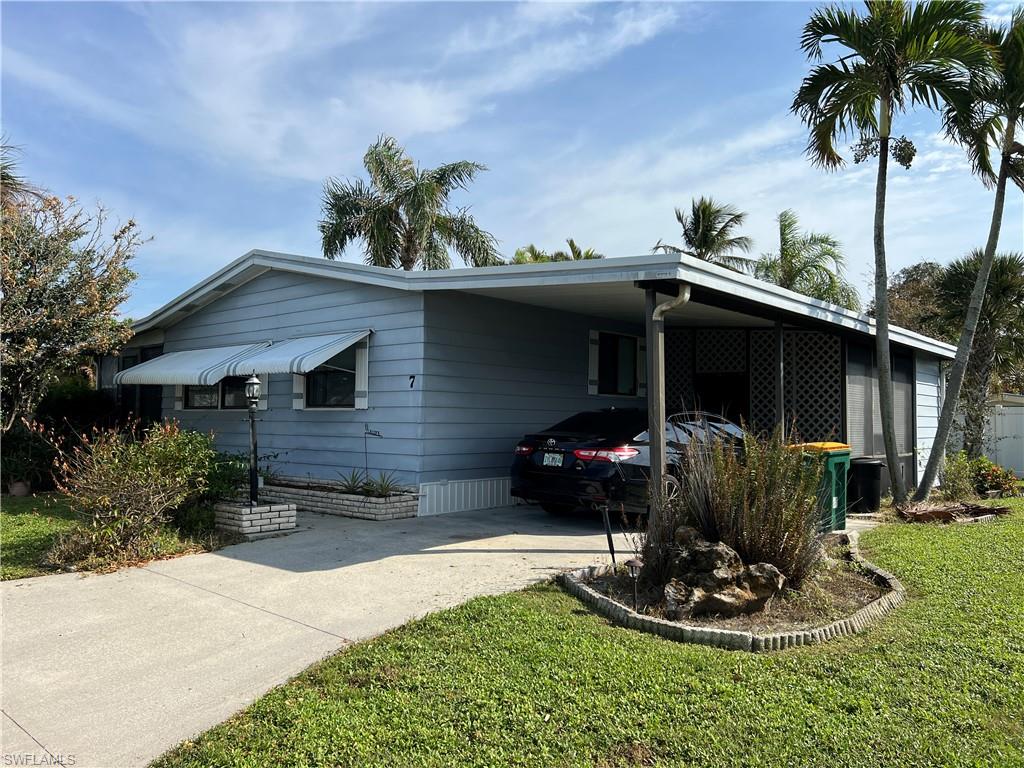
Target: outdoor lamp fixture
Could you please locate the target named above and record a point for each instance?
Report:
(634, 565)
(252, 395)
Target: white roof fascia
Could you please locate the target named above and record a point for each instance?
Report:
(624, 270)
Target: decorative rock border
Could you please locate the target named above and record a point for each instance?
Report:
(574, 583)
(258, 522)
(328, 502)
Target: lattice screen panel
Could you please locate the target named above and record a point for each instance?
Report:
(721, 350)
(813, 382)
(762, 380)
(678, 370)
(816, 387)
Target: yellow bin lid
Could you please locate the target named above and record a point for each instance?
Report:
(824, 447)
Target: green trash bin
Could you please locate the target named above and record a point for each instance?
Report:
(832, 496)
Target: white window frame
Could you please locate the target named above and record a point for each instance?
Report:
(594, 366)
(362, 385)
(179, 397)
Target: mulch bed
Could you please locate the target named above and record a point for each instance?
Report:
(837, 589)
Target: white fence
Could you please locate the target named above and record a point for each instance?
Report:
(1005, 437)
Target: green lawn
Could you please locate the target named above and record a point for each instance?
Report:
(28, 527)
(532, 678)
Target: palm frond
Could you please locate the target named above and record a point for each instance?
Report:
(460, 232)
(663, 247)
(452, 176)
(391, 170)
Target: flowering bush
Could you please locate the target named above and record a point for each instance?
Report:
(989, 476)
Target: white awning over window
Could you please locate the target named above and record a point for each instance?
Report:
(192, 367)
(296, 355)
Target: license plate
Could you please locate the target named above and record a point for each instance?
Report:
(552, 459)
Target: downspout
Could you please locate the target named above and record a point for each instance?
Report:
(656, 381)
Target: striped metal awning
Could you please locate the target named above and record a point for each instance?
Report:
(300, 355)
(192, 367)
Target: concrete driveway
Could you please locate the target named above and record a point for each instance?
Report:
(114, 670)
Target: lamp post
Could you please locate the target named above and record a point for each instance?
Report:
(634, 565)
(252, 395)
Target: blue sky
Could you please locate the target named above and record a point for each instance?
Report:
(213, 125)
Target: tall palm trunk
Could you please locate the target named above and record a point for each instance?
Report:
(977, 378)
(963, 350)
(885, 396)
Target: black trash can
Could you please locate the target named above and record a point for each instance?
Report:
(864, 490)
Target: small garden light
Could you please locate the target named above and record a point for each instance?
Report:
(252, 394)
(634, 566)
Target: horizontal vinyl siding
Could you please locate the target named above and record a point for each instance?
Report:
(318, 443)
(928, 402)
(495, 370)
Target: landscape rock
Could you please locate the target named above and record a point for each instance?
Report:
(709, 578)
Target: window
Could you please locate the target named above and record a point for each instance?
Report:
(617, 369)
(232, 392)
(333, 384)
(202, 397)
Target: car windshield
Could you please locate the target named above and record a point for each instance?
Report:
(701, 428)
(617, 424)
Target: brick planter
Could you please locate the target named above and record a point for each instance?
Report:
(330, 502)
(258, 522)
(575, 583)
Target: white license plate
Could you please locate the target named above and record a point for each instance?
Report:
(552, 459)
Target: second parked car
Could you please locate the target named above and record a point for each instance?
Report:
(603, 457)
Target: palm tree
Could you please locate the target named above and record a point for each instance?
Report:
(993, 119)
(402, 214)
(810, 263)
(531, 254)
(14, 188)
(897, 55)
(709, 234)
(998, 341)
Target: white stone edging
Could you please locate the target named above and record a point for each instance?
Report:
(575, 583)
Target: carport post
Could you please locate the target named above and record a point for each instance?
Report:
(780, 379)
(655, 331)
(654, 318)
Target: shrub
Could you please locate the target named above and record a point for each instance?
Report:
(74, 407)
(127, 484)
(957, 478)
(26, 455)
(989, 476)
(761, 501)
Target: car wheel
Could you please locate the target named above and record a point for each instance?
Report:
(672, 489)
(557, 509)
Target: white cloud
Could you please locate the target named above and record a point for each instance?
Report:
(286, 88)
(622, 203)
(523, 22)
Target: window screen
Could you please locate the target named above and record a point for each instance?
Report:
(333, 384)
(232, 392)
(616, 364)
(201, 396)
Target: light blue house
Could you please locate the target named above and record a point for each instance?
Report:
(436, 375)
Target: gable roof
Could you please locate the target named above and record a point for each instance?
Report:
(711, 284)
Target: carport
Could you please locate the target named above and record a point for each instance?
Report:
(718, 340)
